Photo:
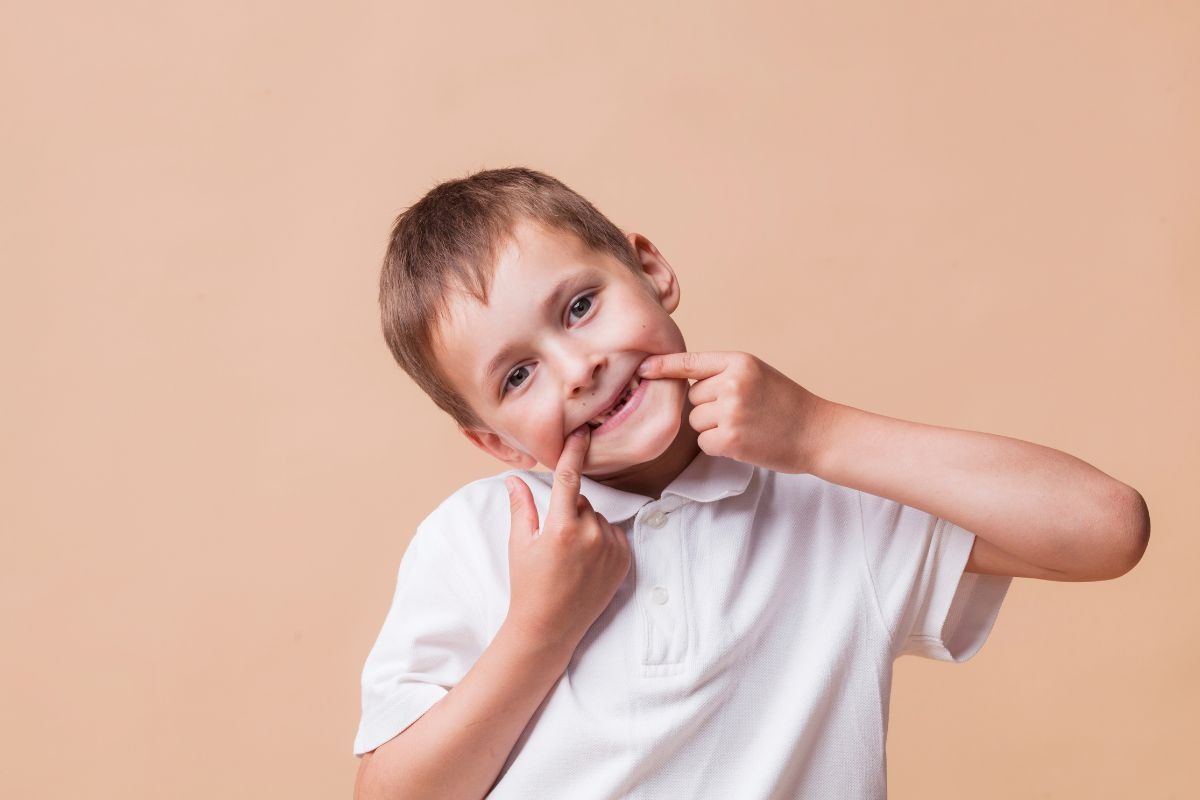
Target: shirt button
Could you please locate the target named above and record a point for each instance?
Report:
(657, 519)
(660, 595)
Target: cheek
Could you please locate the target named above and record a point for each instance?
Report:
(667, 341)
(541, 424)
(648, 332)
(677, 393)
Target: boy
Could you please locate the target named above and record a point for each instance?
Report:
(706, 596)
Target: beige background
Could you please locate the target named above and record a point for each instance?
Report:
(981, 215)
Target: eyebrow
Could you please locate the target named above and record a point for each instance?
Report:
(551, 302)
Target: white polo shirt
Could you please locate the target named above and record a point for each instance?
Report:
(748, 653)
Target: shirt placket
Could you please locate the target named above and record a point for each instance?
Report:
(660, 588)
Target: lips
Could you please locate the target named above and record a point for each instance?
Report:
(625, 390)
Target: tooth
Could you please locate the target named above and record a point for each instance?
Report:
(600, 419)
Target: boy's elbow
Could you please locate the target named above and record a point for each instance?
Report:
(1134, 533)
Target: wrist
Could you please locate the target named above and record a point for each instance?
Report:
(821, 432)
(537, 643)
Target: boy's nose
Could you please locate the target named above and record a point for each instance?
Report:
(582, 374)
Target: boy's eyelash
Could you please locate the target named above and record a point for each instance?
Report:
(504, 387)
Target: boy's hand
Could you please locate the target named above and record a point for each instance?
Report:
(565, 576)
(748, 410)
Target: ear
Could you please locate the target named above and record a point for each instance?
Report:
(657, 270)
(493, 445)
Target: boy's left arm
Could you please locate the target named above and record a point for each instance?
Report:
(1035, 511)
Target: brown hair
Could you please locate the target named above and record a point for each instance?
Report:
(448, 241)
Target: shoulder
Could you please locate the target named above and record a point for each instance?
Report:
(485, 495)
(807, 495)
(475, 512)
(871, 516)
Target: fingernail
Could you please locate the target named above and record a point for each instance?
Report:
(643, 368)
(580, 431)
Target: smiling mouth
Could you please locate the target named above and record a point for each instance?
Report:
(597, 421)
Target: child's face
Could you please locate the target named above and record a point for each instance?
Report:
(569, 327)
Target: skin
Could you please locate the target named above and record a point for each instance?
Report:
(570, 361)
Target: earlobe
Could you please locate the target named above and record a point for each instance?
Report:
(657, 270)
(496, 447)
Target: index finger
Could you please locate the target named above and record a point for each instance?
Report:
(683, 365)
(568, 473)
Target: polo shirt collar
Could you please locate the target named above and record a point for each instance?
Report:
(705, 479)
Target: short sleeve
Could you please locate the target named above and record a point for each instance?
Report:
(430, 639)
(916, 562)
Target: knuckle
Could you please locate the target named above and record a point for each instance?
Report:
(564, 528)
(589, 536)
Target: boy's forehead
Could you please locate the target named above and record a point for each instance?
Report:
(529, 264)
(462, 306)
(451, 340)
(451, 329)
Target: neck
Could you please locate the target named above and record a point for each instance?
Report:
(651, 477)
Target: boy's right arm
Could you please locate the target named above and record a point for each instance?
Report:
(457, 748)
(561, 581)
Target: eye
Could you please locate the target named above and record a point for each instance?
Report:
(523, 372)
(585, 301)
